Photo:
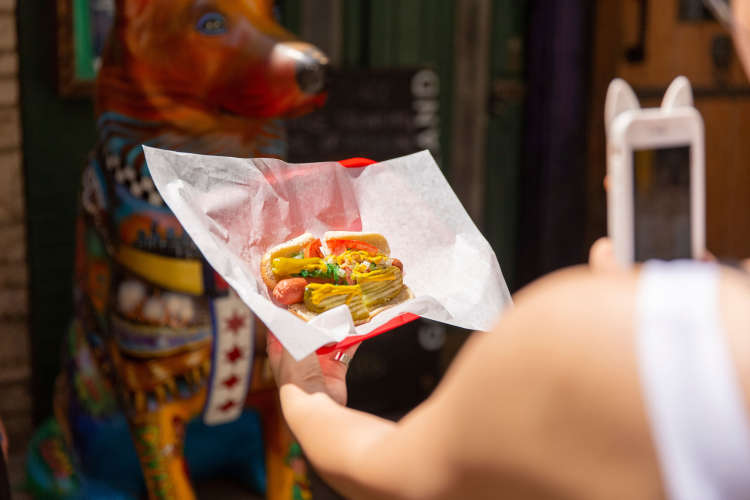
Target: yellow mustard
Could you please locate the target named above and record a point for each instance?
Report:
(383, 274)
(352, 256)
(283, 266)
(321, 291)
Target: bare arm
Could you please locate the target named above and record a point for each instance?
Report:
(545, 406)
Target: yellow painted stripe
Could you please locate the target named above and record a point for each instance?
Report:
(181, 275)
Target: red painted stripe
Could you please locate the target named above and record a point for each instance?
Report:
(356, 162)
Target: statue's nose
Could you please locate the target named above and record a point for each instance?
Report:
(312, 74)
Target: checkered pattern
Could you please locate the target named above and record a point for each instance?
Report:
(129, 175)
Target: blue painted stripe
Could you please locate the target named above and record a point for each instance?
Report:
(214, 348)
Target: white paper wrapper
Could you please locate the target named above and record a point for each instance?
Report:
(235, 209)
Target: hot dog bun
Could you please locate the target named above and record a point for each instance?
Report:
(292, 247)
(375, 239)
(286, 249)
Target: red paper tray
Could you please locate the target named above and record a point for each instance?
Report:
(395, 322)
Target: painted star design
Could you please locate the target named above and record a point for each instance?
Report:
(230, 382)
(227, 406)
(234, 354)
(235, 323)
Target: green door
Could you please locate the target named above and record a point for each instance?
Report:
(408, 33)
(504, 129)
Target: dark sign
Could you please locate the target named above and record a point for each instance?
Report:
(377, 114)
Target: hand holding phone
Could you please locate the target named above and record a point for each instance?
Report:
(655, 165)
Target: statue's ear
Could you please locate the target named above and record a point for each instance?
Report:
(130, 9)
(620, 98)
(678, 95)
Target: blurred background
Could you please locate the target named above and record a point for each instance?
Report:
(509, 97)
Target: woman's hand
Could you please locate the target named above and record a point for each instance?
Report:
(602, 256)
(326, 373)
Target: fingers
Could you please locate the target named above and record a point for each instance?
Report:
(312, 374)
(336, 364)
(273, 346)
(271, 338)
(352, 350)
(303, 373)
(333, 364)
(602, 256)
(275, 352)
(349, 351)
(286, 369)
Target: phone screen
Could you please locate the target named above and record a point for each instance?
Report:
(661, 185)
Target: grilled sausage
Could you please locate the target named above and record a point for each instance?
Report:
(290, 291)
(398, 264)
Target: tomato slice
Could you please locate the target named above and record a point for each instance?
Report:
(313, 249)
(340, 246)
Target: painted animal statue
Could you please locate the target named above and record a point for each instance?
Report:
(163, 383)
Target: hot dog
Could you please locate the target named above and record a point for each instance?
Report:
(290, 291)
(310, 276)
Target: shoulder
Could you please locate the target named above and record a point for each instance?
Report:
(576, 300)
(556, 382)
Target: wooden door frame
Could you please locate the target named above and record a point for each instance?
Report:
(470, 101)
(607, 40)
(321, 25)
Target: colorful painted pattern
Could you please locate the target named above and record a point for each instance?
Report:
(146, 439)
(158, 337)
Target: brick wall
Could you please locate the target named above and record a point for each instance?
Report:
(15, 400)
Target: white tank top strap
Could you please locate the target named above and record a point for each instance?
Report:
(691, 390)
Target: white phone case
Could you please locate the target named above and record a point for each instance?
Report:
(628, 128)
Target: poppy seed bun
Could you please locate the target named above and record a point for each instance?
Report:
(375, 239)
(286, 249)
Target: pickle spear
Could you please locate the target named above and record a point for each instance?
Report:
(320, 297)
(379, 286)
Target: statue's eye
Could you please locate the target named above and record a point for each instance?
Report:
(212, 23)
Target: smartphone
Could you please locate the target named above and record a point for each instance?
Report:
(656, 176)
